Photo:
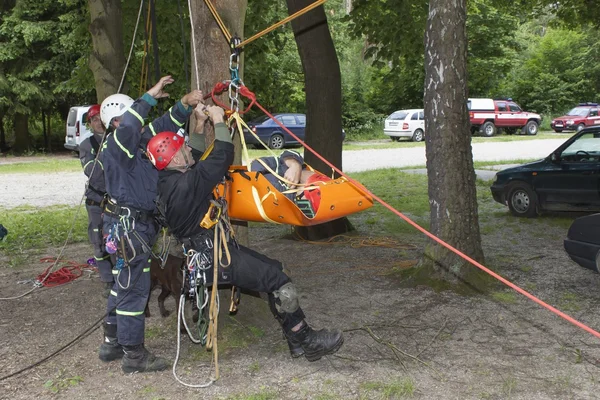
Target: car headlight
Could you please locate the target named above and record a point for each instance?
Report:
(570, 121)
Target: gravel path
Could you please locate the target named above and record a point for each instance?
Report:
(46, 189)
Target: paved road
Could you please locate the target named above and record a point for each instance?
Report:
(67, 187)
(364, 160)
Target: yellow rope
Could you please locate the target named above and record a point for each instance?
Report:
(215, 14)
(144, 74)
(282, 22)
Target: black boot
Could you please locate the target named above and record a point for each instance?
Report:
(296, 349)
(138, 359)
(315, 344)
(110, 349)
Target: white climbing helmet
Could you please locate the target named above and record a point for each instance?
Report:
(114, 106)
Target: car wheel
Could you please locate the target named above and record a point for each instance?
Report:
(530, 128)
(417, 136)
(580, 127)
(522, 200)
(488, 129)
(276, 142)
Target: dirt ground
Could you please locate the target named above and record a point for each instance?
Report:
(399, 342)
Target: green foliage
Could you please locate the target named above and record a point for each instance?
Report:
(558, 69)
(491, 47)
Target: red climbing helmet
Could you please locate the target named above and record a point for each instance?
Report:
(93, 111)
(163, 147)
(314, 195)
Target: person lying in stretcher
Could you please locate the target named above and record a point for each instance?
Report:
(290, 166)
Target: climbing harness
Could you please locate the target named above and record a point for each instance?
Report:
(203, 253)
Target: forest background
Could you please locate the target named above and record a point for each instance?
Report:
(544, 57)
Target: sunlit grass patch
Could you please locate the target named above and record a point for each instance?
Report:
(31, 228)
(47, 166)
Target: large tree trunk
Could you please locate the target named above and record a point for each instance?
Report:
(323, 89)
(210, 58)
(3, 146)
(451, 177)
(107, 60)
(22, 138)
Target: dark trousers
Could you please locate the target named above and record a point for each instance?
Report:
(129, 296)
(254, 271)
(95, 235)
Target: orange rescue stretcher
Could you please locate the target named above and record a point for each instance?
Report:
(251, 197)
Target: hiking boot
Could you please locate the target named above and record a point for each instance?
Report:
(315, 344)
(296, 349)
(107, 288)
(110, 349)
(138, 359)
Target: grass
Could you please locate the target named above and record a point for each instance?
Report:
(391, 390)
(505, 297)
(264, 394)
(47, 166)
(62, 382)
(31, 228)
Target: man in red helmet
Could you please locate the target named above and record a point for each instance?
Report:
(94, 195)
(185, 196)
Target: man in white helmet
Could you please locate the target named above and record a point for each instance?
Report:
(131, 184)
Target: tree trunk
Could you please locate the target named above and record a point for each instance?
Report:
(107, 60)
(210, 58)
(451, 177)
(3, 146)
(22, 138)
(323, 89)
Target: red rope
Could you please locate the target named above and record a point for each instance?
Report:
(435, 238)
(66, 274)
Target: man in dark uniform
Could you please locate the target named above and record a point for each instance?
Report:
(185, 192)
(94, 194)
(129, 220)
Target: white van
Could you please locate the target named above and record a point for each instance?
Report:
(77, 130)
(406, 123)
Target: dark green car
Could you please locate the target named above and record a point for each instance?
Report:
(566, 180)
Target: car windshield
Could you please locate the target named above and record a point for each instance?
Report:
(579, 111)
(260, 120)
(398, 115)
(586, 144)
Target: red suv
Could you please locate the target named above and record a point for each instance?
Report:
(585, 114)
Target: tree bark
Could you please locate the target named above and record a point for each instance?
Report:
(22, 137)
(107, 60)
(451, 177)
(210, 59)
(323, 87)
(3, 146)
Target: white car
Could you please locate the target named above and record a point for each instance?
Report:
(77, 130)
(406, 123)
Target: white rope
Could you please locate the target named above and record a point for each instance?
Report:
(179, 316)
(194, 46)
(131, 47)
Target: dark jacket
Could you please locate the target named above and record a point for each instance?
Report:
(130, 177)
(92, 168)
(186, 196)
